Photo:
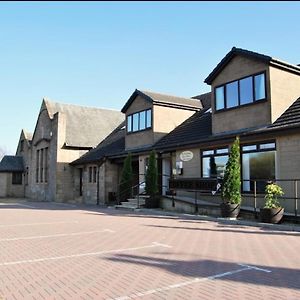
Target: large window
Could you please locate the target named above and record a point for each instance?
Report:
(240, 92)
(139, 121)
(214, 162)
(41, 165)
(258, 163)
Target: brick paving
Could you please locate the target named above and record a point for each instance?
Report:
(54, 251)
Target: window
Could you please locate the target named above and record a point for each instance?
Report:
(37, 171)
(17, 178)
(90, 174)
(41, 165)
(139, 121)
(240, 92)
(214, 162)
(46, 165)
(95, 174)
(258, 163)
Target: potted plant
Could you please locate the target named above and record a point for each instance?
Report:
(231, 185)
(151, 186)
(272, 212)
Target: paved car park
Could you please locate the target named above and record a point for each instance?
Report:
(61, 251)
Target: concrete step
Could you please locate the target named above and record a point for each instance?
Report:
(124, 207)
(135, 201)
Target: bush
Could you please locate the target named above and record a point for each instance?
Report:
(126, 179)
(231, 186)
(272, 191)
(151, 176)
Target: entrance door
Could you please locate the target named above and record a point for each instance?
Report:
(166, 173)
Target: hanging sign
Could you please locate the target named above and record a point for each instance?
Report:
(186, 155)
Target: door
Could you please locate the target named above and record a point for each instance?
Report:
(80, 181)
(166, 173)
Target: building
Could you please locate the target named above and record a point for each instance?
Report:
(63, 133)
(253, 96)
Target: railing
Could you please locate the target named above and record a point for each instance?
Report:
(135, 189)
(258, 186)
(253, 190)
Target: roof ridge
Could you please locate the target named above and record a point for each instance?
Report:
(50, 101)
(164, 94)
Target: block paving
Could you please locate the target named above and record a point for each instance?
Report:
(60, 251)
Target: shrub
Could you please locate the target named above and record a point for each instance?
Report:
(272, 192)
(126, 179)
(231, 186)
(151, 176)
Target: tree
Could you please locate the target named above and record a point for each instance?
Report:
(126, 179)
(151, 177)
(231, 186)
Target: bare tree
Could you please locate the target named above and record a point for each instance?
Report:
(3, 151)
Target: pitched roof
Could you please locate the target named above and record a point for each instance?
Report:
(114, 143)
(205, 100)
(291, 117)
(12, 163)
(85, 126)
(194, 129)
(261, 57)
(167, 100)
(27, 135)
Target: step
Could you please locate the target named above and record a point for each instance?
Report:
(124, 207)
(135, 201)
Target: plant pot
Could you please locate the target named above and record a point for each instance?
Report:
(152, 202)
(271, 215)
(229, 210)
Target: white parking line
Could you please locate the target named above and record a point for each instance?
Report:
(54, 235)
(34, 224)
(189, 282)
(153, 245)
(18, 204)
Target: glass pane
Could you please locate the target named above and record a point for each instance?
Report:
(205, 167)
(135, 123)
(129, 125)
(208, 152)
(258, 166)
(232, 97)
(267, 146)
(221, 151)
(246, 90)
(259, 84)
(221, 165)
(220, 99)
(142, 120)
(214, 166)
(148, 119)
(249, 148)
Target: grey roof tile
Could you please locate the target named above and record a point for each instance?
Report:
(168, 100)
(85, 126)
(12, 163)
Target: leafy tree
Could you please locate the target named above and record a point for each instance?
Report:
(231, 186)
(126, 179)
(151, 176)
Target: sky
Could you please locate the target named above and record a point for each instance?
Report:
(97, 53)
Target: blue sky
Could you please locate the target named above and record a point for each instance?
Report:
(97, 53)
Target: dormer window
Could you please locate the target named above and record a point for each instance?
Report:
(240, 92)
(139, 121)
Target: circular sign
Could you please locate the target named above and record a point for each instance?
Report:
(186, 155)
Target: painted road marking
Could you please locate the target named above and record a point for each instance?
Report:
(18, 204)
(55, 235)
(189, 282)
(34, 224)
(153, 245)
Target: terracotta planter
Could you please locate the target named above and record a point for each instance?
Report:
(271, 215)
(229, 210)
